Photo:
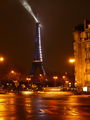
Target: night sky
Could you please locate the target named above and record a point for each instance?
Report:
(58, 19)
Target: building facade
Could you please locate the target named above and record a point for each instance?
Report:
(82, 54)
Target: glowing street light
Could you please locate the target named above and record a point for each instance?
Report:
(63, 76)
(12, 71)
(2, 59)
(28, 79)
(71, 60)
(55, 78)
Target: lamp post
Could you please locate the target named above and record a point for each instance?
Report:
(1, 75)
(72, 61)
(2, 59)
(66, 82)
(55, 79)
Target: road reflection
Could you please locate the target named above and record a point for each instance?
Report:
(7, 107)
(30, 107)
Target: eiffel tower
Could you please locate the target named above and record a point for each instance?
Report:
(37, 70)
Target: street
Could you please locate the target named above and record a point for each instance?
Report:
(37, 107)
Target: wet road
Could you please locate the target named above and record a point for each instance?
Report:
(29, 107)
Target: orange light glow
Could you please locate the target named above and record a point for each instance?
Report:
(55, 77)
(63, 76)
(27, 92)
(40, 75)
(12, 71)
(71, 60)
(28, 79)
(1, 59)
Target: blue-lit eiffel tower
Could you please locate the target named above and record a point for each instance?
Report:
(37, 65)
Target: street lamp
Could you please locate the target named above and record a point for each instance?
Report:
(1, 68)
(12, 71)
(55, 78)
(64, 77)
(2, 59)
(28, 79)
(72, 61)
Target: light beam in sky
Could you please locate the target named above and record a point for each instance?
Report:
(29, 9)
